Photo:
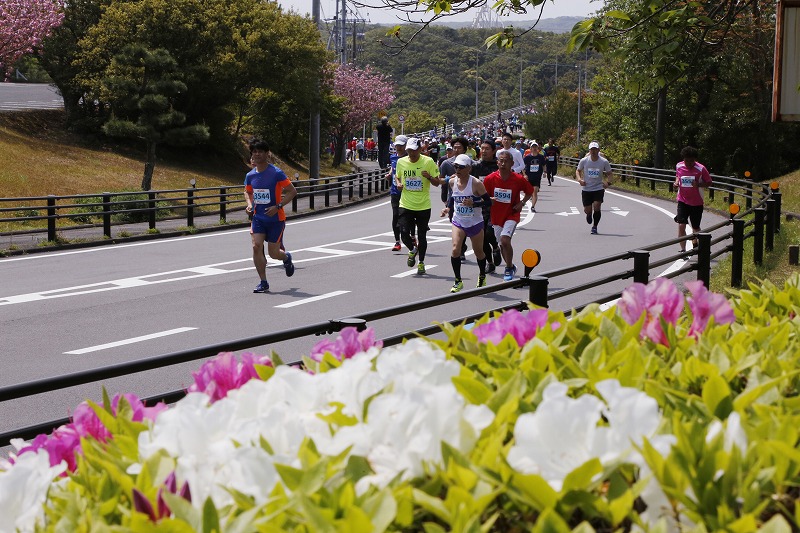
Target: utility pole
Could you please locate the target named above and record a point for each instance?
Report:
(579, 104)
(313, 126)
(343, 32)
(476, 85)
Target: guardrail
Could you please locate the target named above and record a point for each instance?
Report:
(635, 265)
(53, 214)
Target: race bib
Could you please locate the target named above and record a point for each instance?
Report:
(503, 195)
(262, 196)
(551, 158)
(533, 168)
(687, 181)
(413, 184)
(593, 172)
(464, 210)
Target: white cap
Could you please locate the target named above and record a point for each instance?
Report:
(400, 140)
(463, 159)
(412, 144)
(594, 144)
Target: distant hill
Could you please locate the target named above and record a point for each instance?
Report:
(553, 25)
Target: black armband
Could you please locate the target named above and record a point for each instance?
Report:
(482, 201)
(450, 202)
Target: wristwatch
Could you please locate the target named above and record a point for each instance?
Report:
(280, 205)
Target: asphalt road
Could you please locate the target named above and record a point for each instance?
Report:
(67, 311)
(25, 96)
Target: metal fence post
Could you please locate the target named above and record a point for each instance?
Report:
(641, 266)
(369, 184)
(51, 218)
(711, 193)
(704, 258)
(537, 290)
(769, 241)
(190, 207)
(361, 185)
(737, 252)
(339, 189)
(776, 194)
(107, 214)
(748, 203)
(311, 195)
(350, 189)
(328, 193)
(151, 213)
(758, 235)
(223, 204)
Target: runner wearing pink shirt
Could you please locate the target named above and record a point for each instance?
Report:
(690, 178)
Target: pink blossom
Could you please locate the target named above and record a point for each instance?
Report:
(224, 373)
(522, 327)
(364, 92)
(171, 485)
(61, 445)
(658, 300)
(704, 305)
(349, 342)
(23, 25)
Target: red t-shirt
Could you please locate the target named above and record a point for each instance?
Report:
(505, 195)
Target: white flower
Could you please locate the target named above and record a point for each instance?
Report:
(734, 433)
(23, 490)
(563, 433)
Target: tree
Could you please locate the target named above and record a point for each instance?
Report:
(554, 115)
(142, 85)
(361, 93)
(23, 25)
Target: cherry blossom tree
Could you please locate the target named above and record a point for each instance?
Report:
(362, 93)
(23, 25)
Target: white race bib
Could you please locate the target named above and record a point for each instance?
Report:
(593, 172)
(551, 158)
(464, 210)
(687, 181)
(503, 195)
(262, 196)
(413, 184)
(533, 168)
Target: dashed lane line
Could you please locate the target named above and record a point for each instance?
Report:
(311, 300)
(124, 342)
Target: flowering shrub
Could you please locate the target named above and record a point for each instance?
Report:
(668, 413)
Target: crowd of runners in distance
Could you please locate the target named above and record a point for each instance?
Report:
(485, 184)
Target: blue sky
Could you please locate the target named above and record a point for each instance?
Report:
(552, 9)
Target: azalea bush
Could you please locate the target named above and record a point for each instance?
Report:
(671, 412)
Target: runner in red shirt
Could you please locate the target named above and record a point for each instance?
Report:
(505, 188)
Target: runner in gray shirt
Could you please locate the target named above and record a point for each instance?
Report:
(594, 175)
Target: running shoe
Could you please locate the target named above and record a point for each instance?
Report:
(421, 268)
(463, 258)
(497, 257)
(489, 267)
(396, 247)
(288, 265)
(594, 230)
(508, 273)
(412, 257)
(262, 287)
(481, 281)
(533, 209)
(588, 218)
(457, 286)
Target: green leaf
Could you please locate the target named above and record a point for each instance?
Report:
(776, 524)
(292, 477)
(473, 390)
(210, 517)
(535, 490)
(717, 397)
(616, 14)
(583, 477)
(550, 522)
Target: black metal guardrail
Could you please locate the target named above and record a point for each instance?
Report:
(80, 211)
(762, 218)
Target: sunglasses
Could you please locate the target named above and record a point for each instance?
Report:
(459, 167)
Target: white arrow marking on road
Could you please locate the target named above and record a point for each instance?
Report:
(572, 211)
(617, 211)
(312, 299)
(128, 341)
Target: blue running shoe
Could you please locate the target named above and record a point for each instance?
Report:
(509, 273)
(288, 265)
(262, 287)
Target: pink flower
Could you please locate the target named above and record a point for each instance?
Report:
(658, 300)
(704, 305)
(349, 342)
(522, 327)
(224, 373)
(61, 445)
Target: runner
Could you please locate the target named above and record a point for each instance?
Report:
(415, 173)
(690, 178)
(505, 187)
(534, 166)
(467, 195)
(394, 192)
(266, 191)
(594, 175)
(551, 152)
(485, 166)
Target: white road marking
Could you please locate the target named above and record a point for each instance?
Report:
(412, 272)
(312, 299)
(329, 251)
(572, 211)
(128, 341)
(617, 211)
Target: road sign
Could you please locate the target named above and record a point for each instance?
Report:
(401, 118)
